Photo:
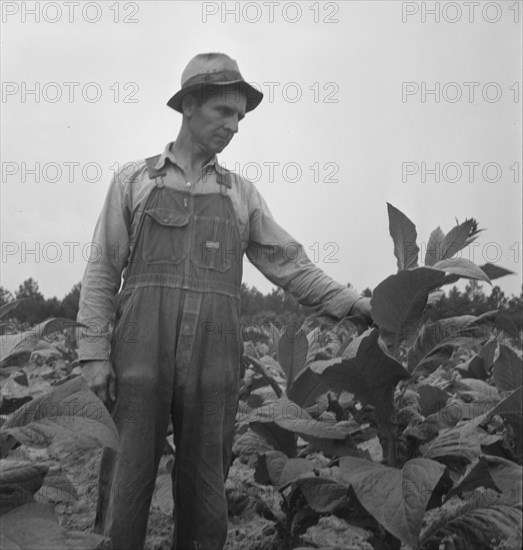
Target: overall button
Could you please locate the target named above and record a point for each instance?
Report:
(188, 184)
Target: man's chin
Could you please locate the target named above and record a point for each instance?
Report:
(217, 146)
(220, 148)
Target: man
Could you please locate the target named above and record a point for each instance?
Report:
(176, 226)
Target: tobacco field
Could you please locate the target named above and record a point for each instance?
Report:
(402, 435)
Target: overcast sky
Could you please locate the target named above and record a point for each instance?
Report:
(365, 103)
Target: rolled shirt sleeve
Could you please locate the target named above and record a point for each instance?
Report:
(284, 262)
(103, 273)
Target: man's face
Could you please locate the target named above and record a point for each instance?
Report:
(214, 123)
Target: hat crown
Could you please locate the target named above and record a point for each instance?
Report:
(208, 63)
(213, 69)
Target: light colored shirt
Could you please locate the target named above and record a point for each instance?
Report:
(266, 244)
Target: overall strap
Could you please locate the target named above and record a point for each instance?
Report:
(224, 178)
(157, 175)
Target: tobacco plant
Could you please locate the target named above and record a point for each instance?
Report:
(440, 400)
(70, 414)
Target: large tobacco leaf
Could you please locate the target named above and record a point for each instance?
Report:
(476, 475)
(71, 412)
(479, 365)
(323, 494)
(431, 399)
(461, 442)
(434, 360)
(463, 268)
(260, 367)
(248, 445)
(403, 233)
(56, 488)
(474, 524)
(436, 338)
(507, 369)
(473, 368)
(335, 448)
(292, 351)
(9, 405)
(493, 271)
(276, 468)
(435, 296)
(432, 335)
(26, 342)
(434, 247)
(313, 344)
(274, 338)
(276, 437)
(492, 472)
(507, 475)
(281, 420)
(441, 247)
(447, 417)
(398, 302)
(480, 390)
(34, 526)
(19, 481)
(371, 375)
(510, 409)
(489, 353)
(306, 388)
(396, 498)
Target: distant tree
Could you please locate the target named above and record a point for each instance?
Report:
(497, 299)
(52, 308)
(70, 302)
(5, 296)
(473, 301)
(36, 308)
(251, 300)
(32, 310)
(277, 307)
(29, 289)
(515, 310)
(7, 324)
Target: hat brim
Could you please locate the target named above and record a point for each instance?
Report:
(252, 95)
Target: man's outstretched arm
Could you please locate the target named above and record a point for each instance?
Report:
(284, 262)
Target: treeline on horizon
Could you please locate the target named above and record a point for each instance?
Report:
(277, 306)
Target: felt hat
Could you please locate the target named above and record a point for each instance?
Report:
(213, 69)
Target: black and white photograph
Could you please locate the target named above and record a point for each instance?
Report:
(261, 275)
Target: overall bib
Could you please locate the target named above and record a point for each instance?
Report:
(176, 350)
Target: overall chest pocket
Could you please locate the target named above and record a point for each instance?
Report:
(165, 235)
(215, 245)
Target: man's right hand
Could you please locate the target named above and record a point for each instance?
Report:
(101, 378)
(362, 308)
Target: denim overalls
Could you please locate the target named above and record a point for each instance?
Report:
(176, 349)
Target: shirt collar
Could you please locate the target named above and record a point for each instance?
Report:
(213, 163)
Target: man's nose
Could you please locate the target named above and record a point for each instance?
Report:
(232, 124)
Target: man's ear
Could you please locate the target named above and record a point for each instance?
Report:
(188, 104)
